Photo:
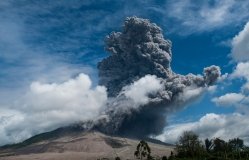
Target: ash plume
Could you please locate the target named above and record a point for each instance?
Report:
(140, 57)
(138, 50)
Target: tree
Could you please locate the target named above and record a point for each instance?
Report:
(171, 157)
(189, 145)
(208, 145)
(117, 158)
(236, 144)
(143, 150)
(221, 147)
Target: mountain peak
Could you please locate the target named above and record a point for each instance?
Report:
(71, 144)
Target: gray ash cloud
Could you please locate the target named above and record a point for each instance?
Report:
(138, 51)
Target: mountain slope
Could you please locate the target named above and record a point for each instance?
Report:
(64, 144)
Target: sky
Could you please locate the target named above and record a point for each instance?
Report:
(49, 52)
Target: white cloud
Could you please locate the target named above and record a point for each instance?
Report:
(73, 95)
(240, 54)
(211, 126)
(240, 98)
(229, 99)
(48, 106)
(208, 15)
(9, 119)
(245, 88)
(139, 90)
(240, 45)
(190, 93)
(212, 89)
(241, 71)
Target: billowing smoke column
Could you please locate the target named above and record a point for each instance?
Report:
(141, 85)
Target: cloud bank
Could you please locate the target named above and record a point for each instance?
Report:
(240, 47)
(48, 106)
(229, 99)
(203, 16)
(211, 126)
(240, 52)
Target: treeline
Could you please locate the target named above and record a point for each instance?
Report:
(190, 147)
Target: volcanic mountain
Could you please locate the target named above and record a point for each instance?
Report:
(140, 90)
(74, 143)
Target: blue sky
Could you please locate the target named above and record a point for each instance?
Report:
(50, 41)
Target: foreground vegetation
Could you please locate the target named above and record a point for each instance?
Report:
(190, 147)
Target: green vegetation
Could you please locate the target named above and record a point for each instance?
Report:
(190, 147)
(117, 158)
(143, 151)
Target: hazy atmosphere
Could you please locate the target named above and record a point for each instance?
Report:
(128, 67)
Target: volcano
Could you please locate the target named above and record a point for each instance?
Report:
(75, 143)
